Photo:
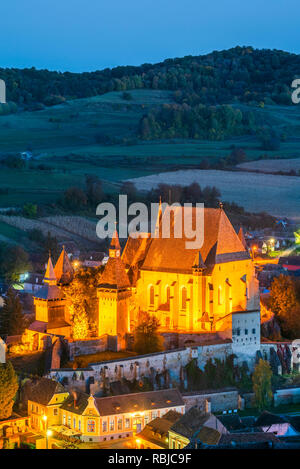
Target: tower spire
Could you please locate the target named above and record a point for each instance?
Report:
(50, 277)
(115, 248)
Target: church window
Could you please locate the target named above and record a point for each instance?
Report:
(246, 331)
(151, 295)
(167, 294)
(183, 298)
(74, 422)
(111, 425)
(220, 296)
(79, 425)
(91, 426)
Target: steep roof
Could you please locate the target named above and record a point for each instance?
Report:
(220, 244)
(126, 403)
(43, 390)
(76, 404)
(266, 419)
(50, 276)
(63, 268)
(114, 274)
(157, 430)
(242, 237)
(241, 438)
(190, 423)
(115, 243)
(208, 436)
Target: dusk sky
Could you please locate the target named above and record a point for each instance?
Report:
(79, 35)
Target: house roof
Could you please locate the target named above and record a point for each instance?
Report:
(208, 436)
(127, 403)
(241, 438)
(266, 419)
(221, 244)
(43, 390)
(232, 422)
(157, 430)
(76, 403)
(63, 269)
(190, 423)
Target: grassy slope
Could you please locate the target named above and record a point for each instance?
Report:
(64, 137)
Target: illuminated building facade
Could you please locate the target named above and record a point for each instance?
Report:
(192, 290)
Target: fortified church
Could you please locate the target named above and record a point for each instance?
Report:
(190, 291)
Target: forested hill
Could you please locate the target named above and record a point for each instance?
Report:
(240, 74)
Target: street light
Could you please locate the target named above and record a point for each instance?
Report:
(48, 434)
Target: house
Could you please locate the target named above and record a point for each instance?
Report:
(290, 263)
(109, 418)
(248, 440)
(276, 424)
(13, 429)
(190, 425)
(45, 398)
(92, 259)
(155, 434)
(33, 282)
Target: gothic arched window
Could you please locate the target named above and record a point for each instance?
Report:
(167, 294)
(151, 295)
(183, 298)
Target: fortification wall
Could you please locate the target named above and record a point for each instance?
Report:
(219, 400)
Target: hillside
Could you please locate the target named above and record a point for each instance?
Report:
(241, 73)
(99, 136)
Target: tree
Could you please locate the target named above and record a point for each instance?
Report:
(285, 303)
(82, 296)
(14, 261)
(30, 210)
(146, 336)
(262, 384)
(8, 389)
(74, 199)
(80, 322)
(94, 190)
(12, 319)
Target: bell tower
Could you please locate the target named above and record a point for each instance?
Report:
(114, 292)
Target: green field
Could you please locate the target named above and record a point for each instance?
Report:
(66, 137)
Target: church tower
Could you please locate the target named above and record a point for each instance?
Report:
(50, 303)
(114, 292)
(63, 269)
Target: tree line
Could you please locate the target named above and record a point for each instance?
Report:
(241, 73)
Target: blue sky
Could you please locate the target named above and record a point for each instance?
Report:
(93, 34)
